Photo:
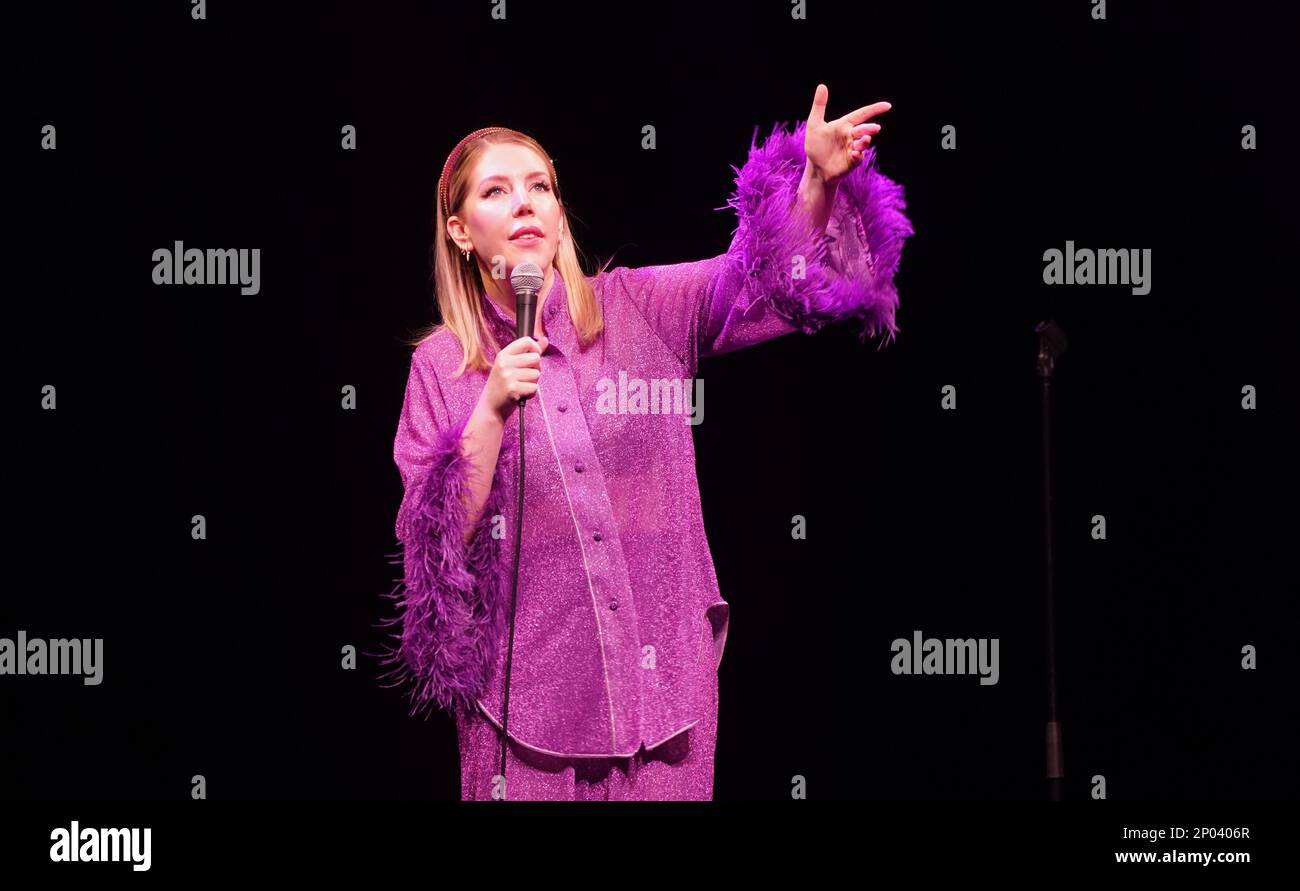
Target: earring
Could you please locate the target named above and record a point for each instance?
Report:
(465, 254)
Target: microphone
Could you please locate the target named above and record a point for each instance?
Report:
(526, 280)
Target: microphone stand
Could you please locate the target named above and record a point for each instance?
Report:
(1051, 345)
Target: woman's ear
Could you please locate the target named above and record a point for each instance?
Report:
(456, 232)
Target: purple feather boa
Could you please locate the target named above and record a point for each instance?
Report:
(453, 595)
(849, 269)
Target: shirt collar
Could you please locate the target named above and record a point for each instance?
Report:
(503, 326)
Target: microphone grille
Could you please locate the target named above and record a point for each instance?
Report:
(527, 275)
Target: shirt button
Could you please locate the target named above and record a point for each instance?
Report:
(563, 406)
(579, 467)
(613, 604)
(596, 536)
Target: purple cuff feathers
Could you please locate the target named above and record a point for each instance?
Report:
(849, 269)
(453, 595)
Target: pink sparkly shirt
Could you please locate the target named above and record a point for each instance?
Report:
(619, 622)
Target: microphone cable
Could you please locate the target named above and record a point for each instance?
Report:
(514, 587)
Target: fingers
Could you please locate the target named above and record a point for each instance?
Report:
(524, 344)
(523, 360)
(861, 138)
(818, 113)
(512, 376)
(520, 382)
(859, 115)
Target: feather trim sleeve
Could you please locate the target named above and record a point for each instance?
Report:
(451, 598)
(779, 274)
(846, 272)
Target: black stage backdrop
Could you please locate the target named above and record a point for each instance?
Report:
(222, 657)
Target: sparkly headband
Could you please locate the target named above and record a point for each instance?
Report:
(443, 179)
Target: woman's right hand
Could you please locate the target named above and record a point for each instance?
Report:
(514, 375)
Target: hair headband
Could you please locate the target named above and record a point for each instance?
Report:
(444, 180)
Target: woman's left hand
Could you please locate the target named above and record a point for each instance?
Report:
(835, 148)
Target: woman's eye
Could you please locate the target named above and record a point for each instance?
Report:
(545, 188)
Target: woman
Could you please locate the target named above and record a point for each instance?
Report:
(619, 625)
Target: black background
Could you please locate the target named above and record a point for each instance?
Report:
(222, 657)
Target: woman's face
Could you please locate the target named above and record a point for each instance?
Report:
(510, 192)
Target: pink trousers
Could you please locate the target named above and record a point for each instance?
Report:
(679, 769)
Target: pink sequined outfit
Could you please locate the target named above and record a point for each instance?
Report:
(619, 625)
(680, 769)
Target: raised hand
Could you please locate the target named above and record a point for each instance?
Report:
(835, 148)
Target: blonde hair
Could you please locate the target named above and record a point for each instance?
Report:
(458, 284)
